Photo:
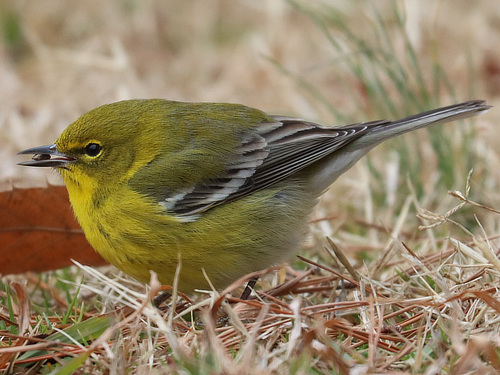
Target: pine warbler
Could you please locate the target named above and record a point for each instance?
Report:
(226, 186)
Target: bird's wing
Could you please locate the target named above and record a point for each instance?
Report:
(268, 154)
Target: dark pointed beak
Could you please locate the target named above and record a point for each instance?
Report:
(46, 156)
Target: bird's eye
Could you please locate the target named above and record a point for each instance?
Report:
(93, 149)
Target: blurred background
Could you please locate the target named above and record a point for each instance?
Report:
(329, 62)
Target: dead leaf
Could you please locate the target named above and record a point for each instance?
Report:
(38, 231)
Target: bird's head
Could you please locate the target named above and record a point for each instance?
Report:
(104, 146)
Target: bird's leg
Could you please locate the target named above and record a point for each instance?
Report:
(248, 289)
(160, 298)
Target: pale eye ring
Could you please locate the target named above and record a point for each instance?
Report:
(93, 149)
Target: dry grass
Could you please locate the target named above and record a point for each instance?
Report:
(384, 296)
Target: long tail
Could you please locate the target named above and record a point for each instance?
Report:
(333, 165)
(381, 132)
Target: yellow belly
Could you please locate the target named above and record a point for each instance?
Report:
(135, 234)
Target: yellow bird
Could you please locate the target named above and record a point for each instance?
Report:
(226, 186)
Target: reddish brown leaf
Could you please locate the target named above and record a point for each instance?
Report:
(38, 231)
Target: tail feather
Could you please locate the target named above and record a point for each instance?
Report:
(333, 165)
(383, 131)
